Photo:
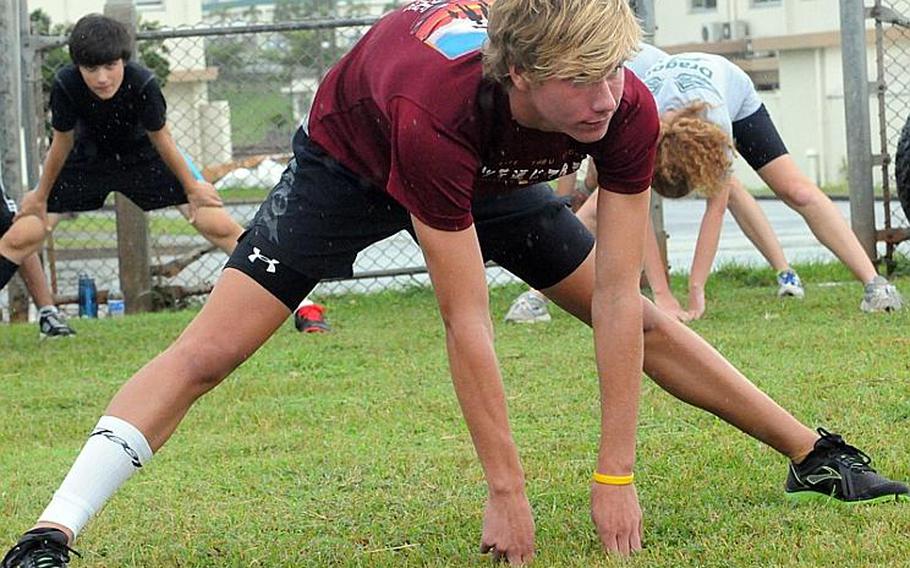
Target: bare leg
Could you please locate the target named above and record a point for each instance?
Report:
(754, 224)
(827, 224)
(587, 213)
(216, 225)
(686, 366)
(158, 396)
(32, 273)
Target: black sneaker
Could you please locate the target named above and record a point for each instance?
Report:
(52, 324)
(39, 548)
(837, 470)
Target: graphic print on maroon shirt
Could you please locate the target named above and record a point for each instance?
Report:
(409, 110)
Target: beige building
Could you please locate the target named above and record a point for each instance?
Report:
(791, 48)
(168, 12)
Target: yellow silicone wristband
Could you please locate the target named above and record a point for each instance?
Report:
(605, 479)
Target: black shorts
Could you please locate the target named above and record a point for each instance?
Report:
(320, 215)
(143, 177)
(757, 139)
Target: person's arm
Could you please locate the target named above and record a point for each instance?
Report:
(35, 202)
(706, 249)
(657, 277)
(622, 222)
(456, 270)
(200, 193)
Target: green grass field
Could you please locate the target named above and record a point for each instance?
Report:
(349, 449)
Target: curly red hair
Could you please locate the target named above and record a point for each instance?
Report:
(692, 153)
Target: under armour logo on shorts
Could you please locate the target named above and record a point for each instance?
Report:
(257, 255)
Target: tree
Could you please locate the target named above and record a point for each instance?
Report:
(153, 53)
(308, 49)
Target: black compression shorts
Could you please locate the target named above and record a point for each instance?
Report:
(320, 215)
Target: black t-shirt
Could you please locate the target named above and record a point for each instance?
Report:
(108, 127)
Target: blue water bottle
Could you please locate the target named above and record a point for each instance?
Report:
(88, 296)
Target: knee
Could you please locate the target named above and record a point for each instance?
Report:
(25, 236)
(220, 229)
(801, 194)
(203, 364)
(217, 226)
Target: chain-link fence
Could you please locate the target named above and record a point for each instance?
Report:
(235, 96)
(892, 41)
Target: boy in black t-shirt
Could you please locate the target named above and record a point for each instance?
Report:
(110, 134)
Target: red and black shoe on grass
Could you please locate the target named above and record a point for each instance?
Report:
(311, 319)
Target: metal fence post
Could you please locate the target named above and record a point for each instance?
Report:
(132, 222)
(10, 137)
(644, 9)
(32, 110)
(856, 107)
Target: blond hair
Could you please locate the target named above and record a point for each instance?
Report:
(692, 154)
(582, 40)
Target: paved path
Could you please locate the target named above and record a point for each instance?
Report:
(682, 218)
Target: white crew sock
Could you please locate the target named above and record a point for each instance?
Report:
(305, 302)
(113, 452)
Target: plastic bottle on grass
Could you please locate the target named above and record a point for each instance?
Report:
(115, 304)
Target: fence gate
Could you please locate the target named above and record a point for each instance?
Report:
(892, 61)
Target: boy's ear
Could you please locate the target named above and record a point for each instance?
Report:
(519, 80)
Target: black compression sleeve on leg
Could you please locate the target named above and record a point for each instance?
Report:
(7, 269)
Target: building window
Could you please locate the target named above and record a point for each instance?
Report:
(702, 5)
(761, 3)
(150, 4)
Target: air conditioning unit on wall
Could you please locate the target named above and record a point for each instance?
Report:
(724, 31)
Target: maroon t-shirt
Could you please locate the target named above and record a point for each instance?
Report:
(408, 109)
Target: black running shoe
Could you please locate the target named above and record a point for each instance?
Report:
(837, 470)
(39, 548)
(52, 324)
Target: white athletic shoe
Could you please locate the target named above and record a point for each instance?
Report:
(881, 296)
(789, 284)
(528, 308)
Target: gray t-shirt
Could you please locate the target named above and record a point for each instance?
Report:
(679, 80)
(647, 57)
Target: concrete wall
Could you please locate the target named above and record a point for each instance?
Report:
(168, 12)
(678, 23)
